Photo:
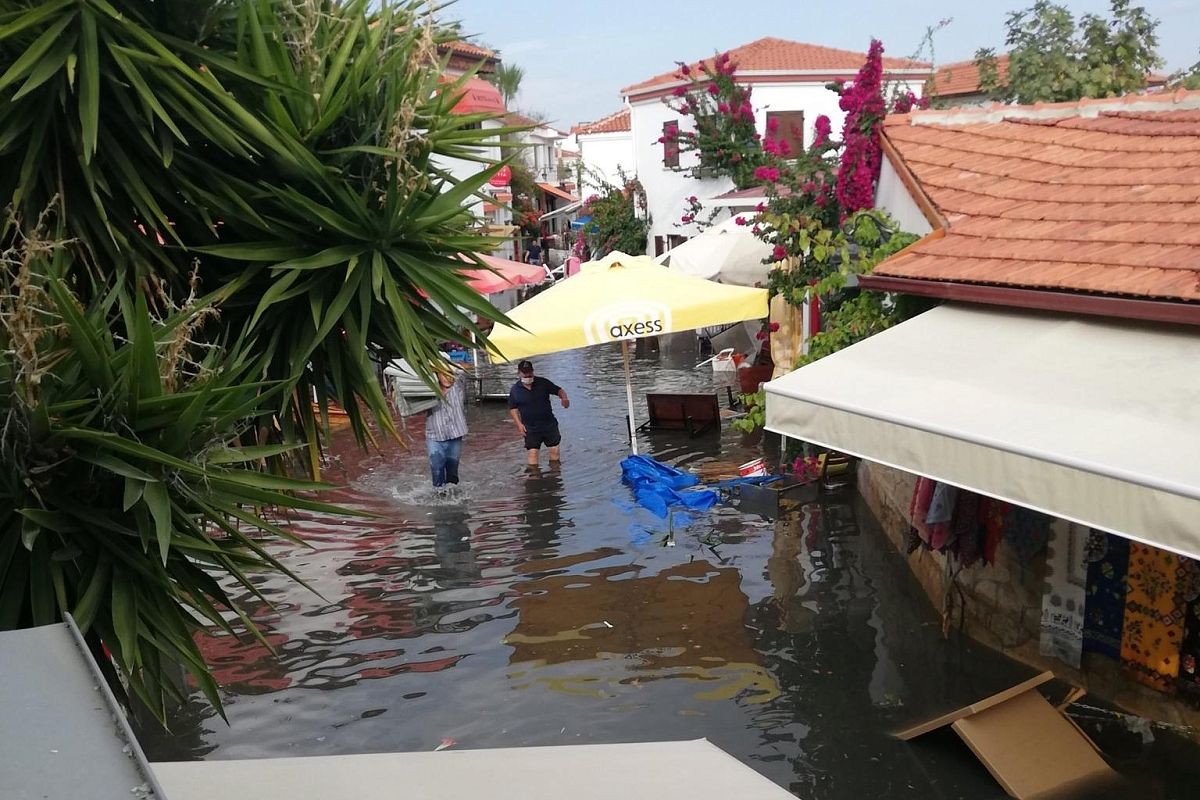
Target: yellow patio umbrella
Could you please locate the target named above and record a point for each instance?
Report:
(618, 298)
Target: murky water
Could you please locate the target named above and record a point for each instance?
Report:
(542, 608)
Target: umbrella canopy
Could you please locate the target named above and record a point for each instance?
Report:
(618, 298)
(507, 274)
(728, 253)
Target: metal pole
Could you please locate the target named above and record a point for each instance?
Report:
(629, 395)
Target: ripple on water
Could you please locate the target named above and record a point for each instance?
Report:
(542, 607)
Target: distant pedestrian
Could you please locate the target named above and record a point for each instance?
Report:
(533, 254)
(445, 427)
(529, 406)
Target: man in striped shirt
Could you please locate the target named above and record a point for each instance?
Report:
(445, 427)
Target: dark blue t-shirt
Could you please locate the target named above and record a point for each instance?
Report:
(533, 403)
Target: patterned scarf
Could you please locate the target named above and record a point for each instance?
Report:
(1154, 612)
(1104, 612)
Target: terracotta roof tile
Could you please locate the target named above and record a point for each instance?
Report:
(781, 55)
(962, 78)
(1094, 196)
(614, 123)
(467, 49)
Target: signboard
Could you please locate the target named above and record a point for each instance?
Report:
(502, 177)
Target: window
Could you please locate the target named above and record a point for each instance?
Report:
(790, 129)
(659, 248)
(670, 144)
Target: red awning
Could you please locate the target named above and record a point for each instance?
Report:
(479, 97)
(508, 274)
(550, 188)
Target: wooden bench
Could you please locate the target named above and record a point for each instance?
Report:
(694, 413)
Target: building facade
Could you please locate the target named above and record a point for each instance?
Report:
(788, 82)
(605, 150)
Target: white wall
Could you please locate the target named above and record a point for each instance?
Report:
(603, 153)
(667, 189)
(462, 169)
(893, 197)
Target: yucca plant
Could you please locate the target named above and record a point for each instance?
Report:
(252, 208)
(124, 490)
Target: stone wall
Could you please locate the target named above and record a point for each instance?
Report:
(1000, 605)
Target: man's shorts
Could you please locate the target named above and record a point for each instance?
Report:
(535, 439)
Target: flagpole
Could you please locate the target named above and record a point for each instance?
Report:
(629, 395)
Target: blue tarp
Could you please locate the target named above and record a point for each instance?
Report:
(659, 487)
(580, 222)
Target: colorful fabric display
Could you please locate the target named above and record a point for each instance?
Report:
(1153, 631)
(1065, 592)
(1104, 612)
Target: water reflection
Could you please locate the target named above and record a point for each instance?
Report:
(527, 614)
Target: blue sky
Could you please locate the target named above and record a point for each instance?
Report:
(578, 55)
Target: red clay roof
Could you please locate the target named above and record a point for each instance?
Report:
(962, 77)
(781, 55)
(614, 123)
(1098, 196)
(516, 120)
(467, 49)
(550, 188)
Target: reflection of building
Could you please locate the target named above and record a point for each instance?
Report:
(683, 622)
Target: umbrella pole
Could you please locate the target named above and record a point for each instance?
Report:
(629, 395)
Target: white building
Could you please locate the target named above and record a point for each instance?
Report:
(606, 149)
(788, 82)
(540, 146)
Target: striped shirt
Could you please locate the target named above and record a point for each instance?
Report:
(448, 421)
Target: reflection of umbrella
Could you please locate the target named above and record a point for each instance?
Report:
(729, 253)
(619, 298)
(507, 274)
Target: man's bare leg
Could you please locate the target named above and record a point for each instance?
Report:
(553, 455)
(533, 457)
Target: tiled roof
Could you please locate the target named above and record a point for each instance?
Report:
(781, 55)
(614, 123)
(467, 49)
(962, 77)
(515, 120)
(1098, 196)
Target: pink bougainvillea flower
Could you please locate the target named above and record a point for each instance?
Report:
(739, 220)
(822, 127)
(779, 253)
(773, 327)
(713, 89)
(773, 125)
(761, 207)
(693, 199)
(680, 91)
(685, 69)
(766, 174)
(784, 148)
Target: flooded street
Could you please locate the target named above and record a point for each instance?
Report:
(544, 608)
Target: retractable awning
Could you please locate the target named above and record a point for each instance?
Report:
(1093, 420)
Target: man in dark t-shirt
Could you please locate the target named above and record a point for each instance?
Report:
(529, 406)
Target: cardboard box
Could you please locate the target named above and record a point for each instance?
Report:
(1030, 747)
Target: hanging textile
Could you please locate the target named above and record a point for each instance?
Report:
(941, 512)
(918, 510)
(1065, 592)
(1153, 631)
(1104, 611)
(1189, 651)
(992, 517)
(966, 536)
(1026, 532)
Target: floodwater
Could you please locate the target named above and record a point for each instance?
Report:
(543, 608)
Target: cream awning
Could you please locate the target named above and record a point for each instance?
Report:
(1093, 420)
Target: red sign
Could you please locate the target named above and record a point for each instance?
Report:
(502, 176)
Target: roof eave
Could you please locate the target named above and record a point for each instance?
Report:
(1132, 308)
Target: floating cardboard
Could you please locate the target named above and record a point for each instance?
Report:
(1028, 745)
